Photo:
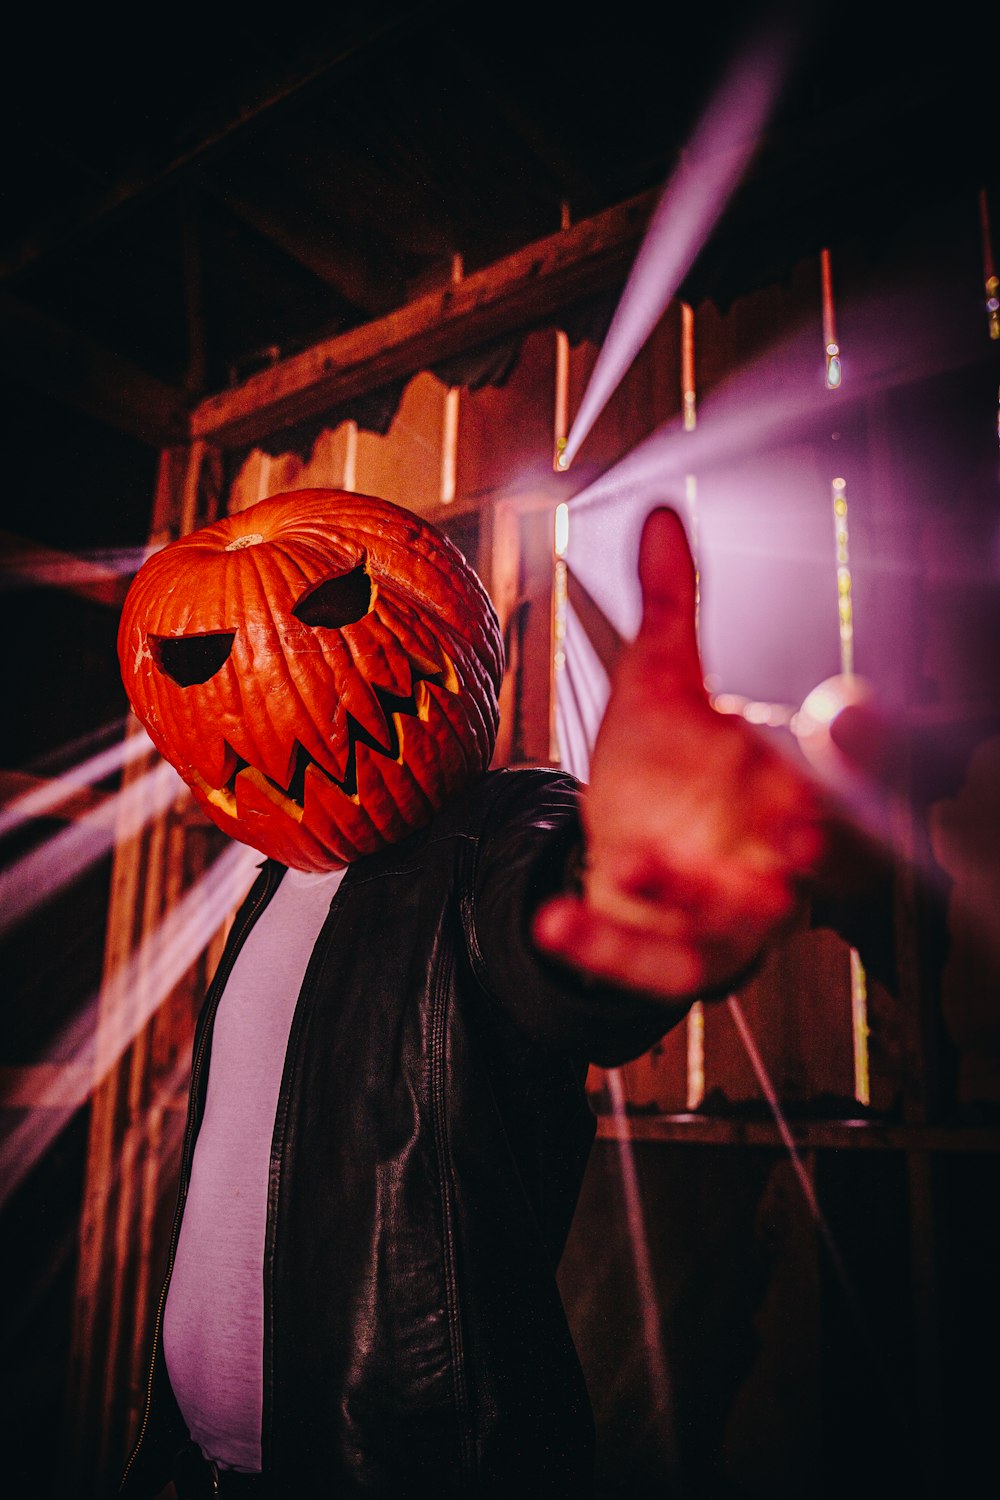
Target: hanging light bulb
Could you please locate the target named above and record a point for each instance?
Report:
(834, 369)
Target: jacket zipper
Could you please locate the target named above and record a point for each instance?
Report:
(215, 995)
(440, 1114)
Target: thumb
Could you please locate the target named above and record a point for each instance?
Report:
(669, 593)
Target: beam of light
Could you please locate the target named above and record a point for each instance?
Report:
(91, 1044)
(580, 720)
(581, 697)
(36, 877)
(709, 171)
(908, 337)
(577, 717)
(65, 756)
(851, 1297)
(642, 1264)
(788, 1140)
(41, 801)
(102, 575)
(831, 347)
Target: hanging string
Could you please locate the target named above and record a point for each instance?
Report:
(834, 369)
(992, 285)
(845, 619)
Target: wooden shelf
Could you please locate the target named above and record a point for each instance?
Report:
(822, 1135)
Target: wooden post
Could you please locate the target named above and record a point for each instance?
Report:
(140, 1082)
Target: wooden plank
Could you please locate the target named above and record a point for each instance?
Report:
(68, 365)
(129, 1158)
(65, 805)
(503, 298)
(505, 447)
(826, 1135)
(405, 464)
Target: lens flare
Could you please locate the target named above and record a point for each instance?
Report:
(92, 1042)
(711, 168)
(41, 874)
(642, 1264)
(812, 724)
(46, 799)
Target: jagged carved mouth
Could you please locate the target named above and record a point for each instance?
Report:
(291, 798)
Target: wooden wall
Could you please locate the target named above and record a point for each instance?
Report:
(741, 1344)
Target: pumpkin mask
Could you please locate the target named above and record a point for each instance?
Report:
(322, 669)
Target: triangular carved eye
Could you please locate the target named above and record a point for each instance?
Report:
(337, 601)
(190, 659)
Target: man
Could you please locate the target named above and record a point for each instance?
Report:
(384, 1154)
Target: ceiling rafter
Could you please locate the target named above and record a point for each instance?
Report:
(63, 232)
(505, 297)
(40, 351)
(364, 281)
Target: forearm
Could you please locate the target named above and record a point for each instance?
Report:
(528, 852)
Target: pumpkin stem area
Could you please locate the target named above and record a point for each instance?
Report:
(250, 540)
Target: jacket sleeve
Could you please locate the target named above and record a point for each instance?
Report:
(531, 828)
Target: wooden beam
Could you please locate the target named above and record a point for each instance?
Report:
(514, 293)
(74, 803)
(64, 363)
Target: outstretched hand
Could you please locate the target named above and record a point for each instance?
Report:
(698, 833)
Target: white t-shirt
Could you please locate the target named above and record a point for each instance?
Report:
(213, 1324)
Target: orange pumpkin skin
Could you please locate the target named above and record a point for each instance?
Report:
(315, 740)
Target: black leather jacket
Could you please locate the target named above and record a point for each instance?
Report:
(430, 1140)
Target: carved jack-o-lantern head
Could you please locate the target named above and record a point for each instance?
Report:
(322, 669)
